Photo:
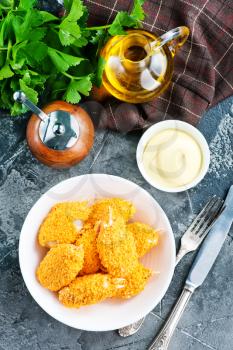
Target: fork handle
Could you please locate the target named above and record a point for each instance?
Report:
(162, 341)
(181, 253)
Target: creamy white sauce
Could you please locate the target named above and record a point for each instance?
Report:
(172, 158)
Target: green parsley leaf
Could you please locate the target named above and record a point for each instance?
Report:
(17, 22)
(14, 84)
(30, 93)
(83, 40)
(99, 71)
(69, 32)
(75, 11)
(6, 29)
(98, 36)
(27, 78)
(72, 95)
(18, 58)
(38, 81)
(18, 109)
(58, 61)
(2, 58)
(48, 17)
(18, 64)
(83, 20)
(6, 72)
(122, 19)
(59, 87)
(76, 87)
(69, 29)
(6, 100)
(37, 34)
(26, 4)
(30, 52)
(6, 3)
(84, 85)
(35, 52)
(80, 42)
(137, 11)
(62, 60)
(67, 5)
(29, 24)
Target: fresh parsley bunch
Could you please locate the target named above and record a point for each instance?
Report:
(50, 57)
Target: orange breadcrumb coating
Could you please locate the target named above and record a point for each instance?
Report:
(58, 227)
(117, 249)
(98, 259)
(60, 266)
(126, 208)
(91, 257)
(75, 210)
(145, 237)
(135, 282)
(119, 208)
(90, 289)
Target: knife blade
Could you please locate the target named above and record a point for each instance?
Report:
(212, 245)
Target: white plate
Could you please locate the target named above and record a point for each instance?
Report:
(113, 313)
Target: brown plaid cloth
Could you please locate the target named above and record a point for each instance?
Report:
(203, 66)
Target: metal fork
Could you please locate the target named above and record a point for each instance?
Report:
(190, 241)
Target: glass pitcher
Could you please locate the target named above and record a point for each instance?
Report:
(139, 65)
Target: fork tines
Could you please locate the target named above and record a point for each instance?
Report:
(206, 218)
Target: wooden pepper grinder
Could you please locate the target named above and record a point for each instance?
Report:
(60, 135)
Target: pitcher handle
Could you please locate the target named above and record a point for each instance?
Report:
(174, 39)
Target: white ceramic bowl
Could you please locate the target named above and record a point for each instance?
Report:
(173, 124)
(113, 313)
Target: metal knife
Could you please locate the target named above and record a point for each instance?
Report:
(199, 271)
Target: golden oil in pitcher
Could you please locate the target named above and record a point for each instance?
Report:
(139, 65)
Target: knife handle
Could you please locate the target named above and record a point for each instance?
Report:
(162, 340)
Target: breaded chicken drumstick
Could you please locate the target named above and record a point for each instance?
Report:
(135, 282)
(60, 266)
(90, 289)
(117, 249)
(58, 227)
(87, 239)
(145, 237)
(119, 208)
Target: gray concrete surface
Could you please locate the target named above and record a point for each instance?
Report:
(208, 320)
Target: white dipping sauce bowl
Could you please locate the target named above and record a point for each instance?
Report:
(179, 125)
